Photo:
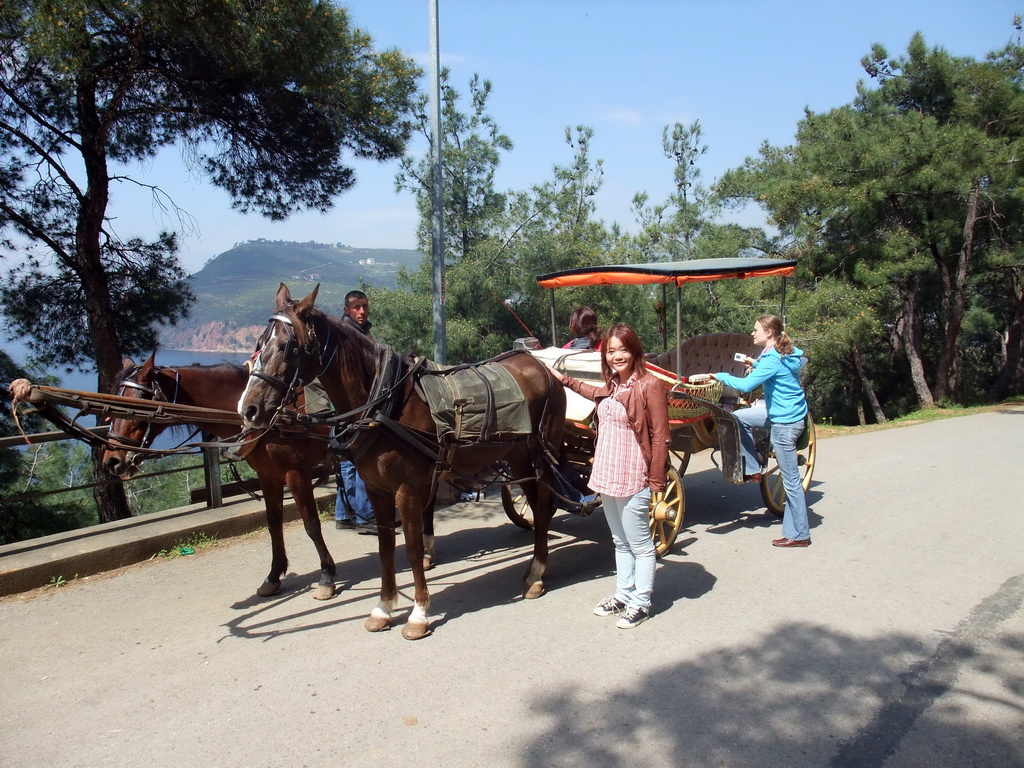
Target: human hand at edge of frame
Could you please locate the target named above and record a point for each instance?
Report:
(19, 389)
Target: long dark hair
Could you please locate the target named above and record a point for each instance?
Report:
(583, 323)
(783, 344)
(628, 338)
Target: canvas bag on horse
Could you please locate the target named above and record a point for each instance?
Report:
(474, 403)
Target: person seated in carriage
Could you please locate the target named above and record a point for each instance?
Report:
(583, 328)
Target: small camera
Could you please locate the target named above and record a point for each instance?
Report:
(739, 357)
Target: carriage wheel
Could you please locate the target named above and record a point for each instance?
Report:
(682, 460)
(517, 508)
(772, 490)
(667, 518)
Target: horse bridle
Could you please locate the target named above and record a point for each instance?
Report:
(294, 354)
(156, 393)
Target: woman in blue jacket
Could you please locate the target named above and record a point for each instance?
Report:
(777, 368)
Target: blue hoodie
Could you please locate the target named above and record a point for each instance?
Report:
(780, 375)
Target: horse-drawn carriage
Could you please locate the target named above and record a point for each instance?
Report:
(700, 411)
(389, 425)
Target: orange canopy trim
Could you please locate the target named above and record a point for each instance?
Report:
(669, 273)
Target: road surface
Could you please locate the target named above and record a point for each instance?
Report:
(896, 639)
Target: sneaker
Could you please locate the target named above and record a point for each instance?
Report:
(610, 606)
(631, 617)
(344, 525)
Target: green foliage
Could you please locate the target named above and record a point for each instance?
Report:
(898, 207)
(264, 98)
(46, 467)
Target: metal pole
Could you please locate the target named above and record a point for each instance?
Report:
(436, 191)
(783, 302)
(664, 318)
(551, 304)
(679, 330)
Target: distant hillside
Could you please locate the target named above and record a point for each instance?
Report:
(236, 289)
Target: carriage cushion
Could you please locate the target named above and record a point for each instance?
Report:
(475, 402)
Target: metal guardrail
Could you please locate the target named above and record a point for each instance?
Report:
(213, 494)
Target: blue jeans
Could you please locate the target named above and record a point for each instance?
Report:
(350, 487)
(629, 520)
(784, 437)
(794, 517)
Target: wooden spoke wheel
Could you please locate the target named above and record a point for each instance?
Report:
(667, 517)
(517, 508)
(772, 490)
(682, 460)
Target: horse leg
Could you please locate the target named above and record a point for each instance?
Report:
(273, 500)
(541, 502)
(413, 516)
(380, 617)
(301, 486)
(429, 551)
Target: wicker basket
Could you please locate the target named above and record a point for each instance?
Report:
(686, 410)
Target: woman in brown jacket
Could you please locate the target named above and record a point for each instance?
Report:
(630, 459)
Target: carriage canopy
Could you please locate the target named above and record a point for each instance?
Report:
(676, 273)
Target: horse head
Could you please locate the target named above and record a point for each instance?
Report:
(137, 381)
(287, 357)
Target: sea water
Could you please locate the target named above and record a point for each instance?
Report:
(84, 379)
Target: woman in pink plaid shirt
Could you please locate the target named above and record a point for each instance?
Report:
(629, 466)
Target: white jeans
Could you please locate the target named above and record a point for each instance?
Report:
(629, 520)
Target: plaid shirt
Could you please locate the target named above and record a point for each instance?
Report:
(619, 467)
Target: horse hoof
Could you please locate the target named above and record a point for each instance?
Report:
(413, 631)
(269, 588)
(376, 624)
(324, 592)
(428, 563)
(534, 591)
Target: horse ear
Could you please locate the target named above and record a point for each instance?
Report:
(127, 362)
(284, 296)
(147, 369)
(307, 303)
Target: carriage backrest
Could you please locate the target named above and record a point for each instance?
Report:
(709, 353)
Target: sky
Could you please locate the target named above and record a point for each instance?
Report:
(746, 69)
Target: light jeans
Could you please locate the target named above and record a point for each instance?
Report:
(350, 484)
(629, 520)
(784, 437)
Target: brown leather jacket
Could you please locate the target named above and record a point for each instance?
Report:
(647, 408)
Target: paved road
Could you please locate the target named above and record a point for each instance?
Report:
(895, 640)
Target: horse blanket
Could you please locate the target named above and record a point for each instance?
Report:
(477, 402)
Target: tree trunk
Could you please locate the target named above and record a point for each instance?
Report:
(110, 498)
(908, 330)
(1012, 376)
(867, 387)
(954, 285)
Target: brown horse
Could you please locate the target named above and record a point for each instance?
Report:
(395, 446)
(277, 460)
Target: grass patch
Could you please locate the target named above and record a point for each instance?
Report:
(917, 417)
(188, 547)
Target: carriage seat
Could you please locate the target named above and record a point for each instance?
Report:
(710, 353)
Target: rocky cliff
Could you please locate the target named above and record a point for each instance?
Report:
(215, 336)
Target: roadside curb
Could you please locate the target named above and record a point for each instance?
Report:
(38, 562)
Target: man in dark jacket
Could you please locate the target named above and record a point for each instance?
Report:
(352, 508)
